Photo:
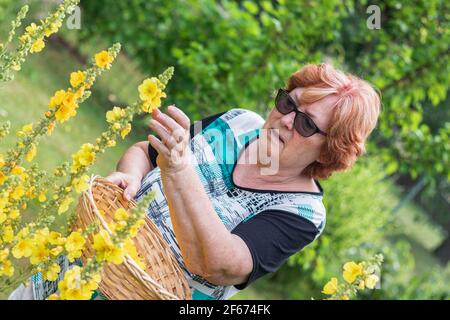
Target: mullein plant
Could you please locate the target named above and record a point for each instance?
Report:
(357, 277)
(34, 245)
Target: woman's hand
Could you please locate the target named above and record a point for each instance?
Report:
(173, 146)
(126, 181)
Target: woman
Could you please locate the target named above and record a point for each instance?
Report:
(237, 195)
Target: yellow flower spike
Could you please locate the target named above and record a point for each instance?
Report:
(37, 46)
(351, 271)
(371, 281)
(331, 287)
(103, 59)
(32, 153)
(77, 78)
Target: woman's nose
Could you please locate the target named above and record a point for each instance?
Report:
(288, 120)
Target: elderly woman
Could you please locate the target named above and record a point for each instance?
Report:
(237, 195)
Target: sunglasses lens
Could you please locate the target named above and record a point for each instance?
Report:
(304, 125)
(283, 103)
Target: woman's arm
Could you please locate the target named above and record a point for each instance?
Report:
(131, 168)
(208, 248)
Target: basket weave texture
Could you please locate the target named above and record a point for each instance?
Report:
(163, 279)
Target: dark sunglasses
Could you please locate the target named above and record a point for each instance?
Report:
(302, 122)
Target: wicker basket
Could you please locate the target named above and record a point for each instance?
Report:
(163, 278)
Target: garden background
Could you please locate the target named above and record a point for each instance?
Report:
(235, 54)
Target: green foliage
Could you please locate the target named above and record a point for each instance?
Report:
(358, 212)
(236, 54)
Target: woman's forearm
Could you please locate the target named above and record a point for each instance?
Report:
(204, 241)
(135, 161)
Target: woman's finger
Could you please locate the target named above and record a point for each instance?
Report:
(180, 117)
(158, 145)
(164, 135)
(165, 120)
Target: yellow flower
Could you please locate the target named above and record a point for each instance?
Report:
(3, 217)
(115, 114)
(57, 99)
(76, 78)
(130, 249)
(17, 170)
(18, 192)
(52, 272)
(27, 128)
(125, 131)
(7, 269)
(31, 29)
(14, 214)
(23, 248)
(121, 215)
(56, 251)
(154, 103)
(103, 59)
(148, 89)
(371, 281)
(331, 287)
(64, 206)
(111, 143)
(135, 228)
(351, 271)
(83, 158)
(75, 242)
(4, 254)
(53, 296)
(3, 178)
(37, 46)
(105, 249)
(80, 184)
(8, 234)
(39, 254)
(50, 128)
(32, 153)
(2, 161)
(65, 112)
(345, 297)
(42, 196)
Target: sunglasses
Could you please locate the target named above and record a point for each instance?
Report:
(303, 124)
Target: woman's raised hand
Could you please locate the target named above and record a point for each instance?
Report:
(173, 143)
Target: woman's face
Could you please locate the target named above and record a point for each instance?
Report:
(285, 144)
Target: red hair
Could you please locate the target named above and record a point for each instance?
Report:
(354, 115)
